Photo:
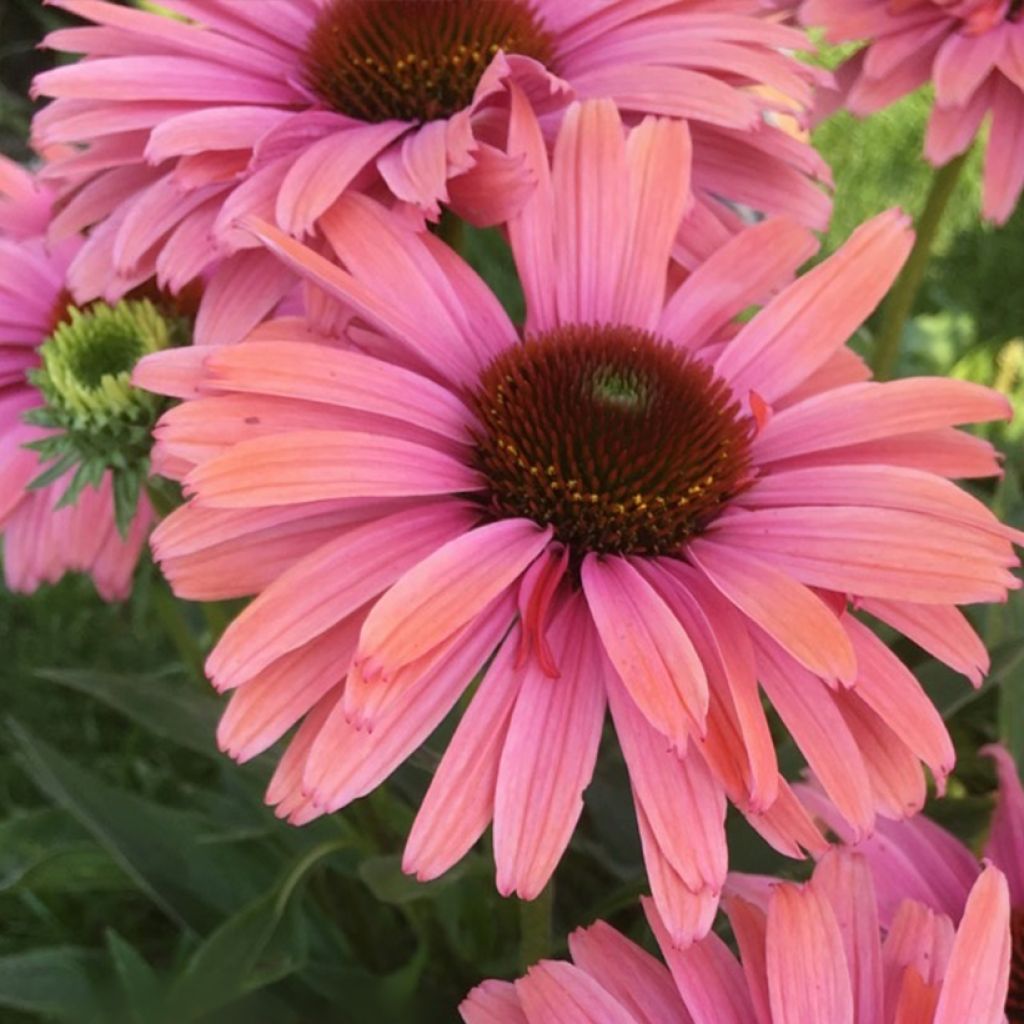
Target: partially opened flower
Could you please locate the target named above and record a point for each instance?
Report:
(810, 954)
(74, 433)
(279, 107)
(917, 859)
(633, 501)
(968, 49)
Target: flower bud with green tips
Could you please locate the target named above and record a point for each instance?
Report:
(98, 420)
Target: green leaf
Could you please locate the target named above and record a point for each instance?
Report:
(951, 693)
(489, 255)
(384, 877)
(156, 847)
(139, 982)
(56, 982)
(160, 704)
(260, 944)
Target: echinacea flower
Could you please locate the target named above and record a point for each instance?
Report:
(809, 954)
(276, 108)
(73, 431)
(633, 502)
(918, 860)
(970, 50)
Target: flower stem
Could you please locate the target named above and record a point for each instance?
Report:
(900, 303)
(535, 927)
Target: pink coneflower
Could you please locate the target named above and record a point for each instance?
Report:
(67, 352)
(917, 859)
(635, 501)
(968, 49)
(278, 107)
(809, 954)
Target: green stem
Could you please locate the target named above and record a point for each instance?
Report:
(535, 927)
(177, 628)
(900, 303)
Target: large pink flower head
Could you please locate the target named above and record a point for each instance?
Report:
(279, 107)
(917, 859)
(70, 422)
(970, 50)
(810, 954)
(632, 502)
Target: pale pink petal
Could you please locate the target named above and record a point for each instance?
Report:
(707, 976)
(1006, 839)
(634, 977)
(493, 1002)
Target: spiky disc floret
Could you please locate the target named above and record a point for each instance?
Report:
(622, 442)
(99, 420)
(415, 60)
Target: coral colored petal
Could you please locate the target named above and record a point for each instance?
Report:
(746, 270)
(943, 631)
(329, 585)
(459, 804)
(789, 612)
(809, 712)
(869, 412)
(591, 212)
(808, 977)
(673, 788)
(318, 373)
(315, 465)
(978, 973)
(553, 992)
(648, 646)
(799, 330)
(445, 591)
(890, 689)
(346, 763)
(658, 156)
(548, 756)
(844, 880)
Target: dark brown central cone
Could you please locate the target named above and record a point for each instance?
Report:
(415, 60)
(621, 441)
(1015, 1000)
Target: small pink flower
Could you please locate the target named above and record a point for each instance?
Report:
(918, 860)
(972, 51)
(41, 540)
(278, 107)
(634, 503)
(810, 954)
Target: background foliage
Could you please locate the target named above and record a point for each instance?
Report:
(138, 868)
